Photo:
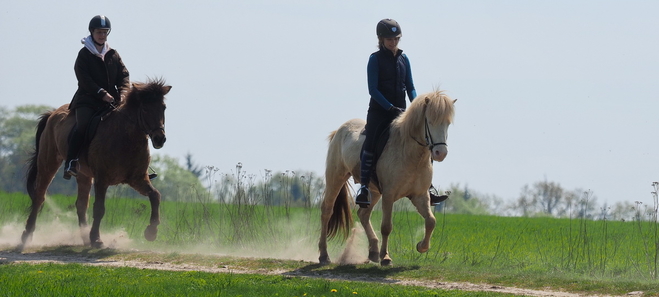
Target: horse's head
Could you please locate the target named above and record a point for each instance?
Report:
(148, 101)
(427, 121)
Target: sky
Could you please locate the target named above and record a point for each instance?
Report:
(559, 91)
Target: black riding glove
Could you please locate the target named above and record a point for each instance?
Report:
(396, 111)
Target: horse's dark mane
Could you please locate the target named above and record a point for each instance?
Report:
(151, 92)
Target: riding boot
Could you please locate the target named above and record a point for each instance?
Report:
(435, 198)
(71, 164)
(364, 196)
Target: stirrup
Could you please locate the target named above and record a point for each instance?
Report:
(363, 197)
(153, 175)
(435, 198)
(71, 169)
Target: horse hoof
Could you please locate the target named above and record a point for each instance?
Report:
(385, 262)
(19, 248)
(420, 249)
(97, 244)
(374, 256)
(151, 232)
(25, 238)
(324, 260)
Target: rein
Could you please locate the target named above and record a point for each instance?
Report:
(140, 121)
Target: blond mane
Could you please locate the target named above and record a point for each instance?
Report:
(435, 106)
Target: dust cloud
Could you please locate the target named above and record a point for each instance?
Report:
(59, 231)
(356, 248)
(64, 231)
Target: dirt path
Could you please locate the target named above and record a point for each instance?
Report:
(42, 257)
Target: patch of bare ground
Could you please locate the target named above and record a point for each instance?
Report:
(116, 261)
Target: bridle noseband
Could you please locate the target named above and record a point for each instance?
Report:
(141, 124)
(429, 141)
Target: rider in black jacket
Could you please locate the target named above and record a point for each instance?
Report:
(102, 79)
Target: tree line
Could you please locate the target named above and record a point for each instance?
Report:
(191, 182)
(176, 182)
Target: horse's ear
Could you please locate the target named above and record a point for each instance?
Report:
(426, 100)
(166, 89)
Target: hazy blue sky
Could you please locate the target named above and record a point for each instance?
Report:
(565, 91)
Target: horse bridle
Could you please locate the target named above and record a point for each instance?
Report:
(429, 141)
(140, 123)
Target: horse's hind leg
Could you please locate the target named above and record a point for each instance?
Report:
(145, 188)
(364, 215)
(100, 190)
(332, 190)
(82, 203)
(30, 225)
(423, 207)
(36, 188)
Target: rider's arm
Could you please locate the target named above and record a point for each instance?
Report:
(85, 80)
(123, 77)
(409, 83)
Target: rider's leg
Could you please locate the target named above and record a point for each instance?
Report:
(376, 123)
(364, 196)
(83, 115)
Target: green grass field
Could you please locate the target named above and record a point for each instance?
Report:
(573, 254)
(82, 280)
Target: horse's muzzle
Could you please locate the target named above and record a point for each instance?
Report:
(158, 139)
(439, 153)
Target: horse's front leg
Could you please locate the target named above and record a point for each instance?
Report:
(422, 204)
(364, 215)
(100, 190)
(386, 228)
(82, 203)
(145, 188)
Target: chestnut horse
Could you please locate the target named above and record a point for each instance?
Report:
(404, 169)
(118, 154)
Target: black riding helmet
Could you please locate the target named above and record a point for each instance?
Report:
(99, 22)
(388, 28)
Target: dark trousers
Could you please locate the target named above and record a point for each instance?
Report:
(376, 122)
(83, 116)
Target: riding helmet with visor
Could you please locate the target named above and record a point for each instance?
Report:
(99, 22)
(388, 28)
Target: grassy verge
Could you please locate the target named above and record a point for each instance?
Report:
(82, 280)
(604, 257)
(538, 280)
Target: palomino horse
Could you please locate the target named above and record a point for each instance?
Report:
(118, 153)
(404, 169)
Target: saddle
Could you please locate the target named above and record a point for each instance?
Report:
(94, 122)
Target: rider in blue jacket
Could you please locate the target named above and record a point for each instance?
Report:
(389, 80)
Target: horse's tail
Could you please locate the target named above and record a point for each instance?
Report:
(341, 219)
(31, 176)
